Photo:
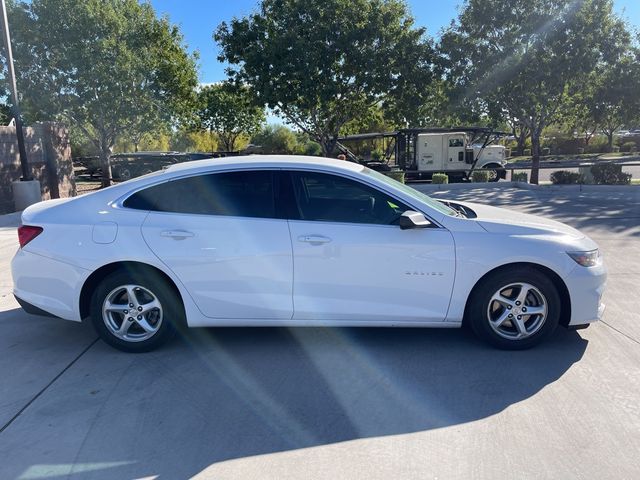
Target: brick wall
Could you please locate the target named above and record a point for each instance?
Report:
(49, 155)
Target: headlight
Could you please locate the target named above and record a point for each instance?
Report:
(586, 259)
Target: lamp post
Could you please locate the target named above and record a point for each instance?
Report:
(27, 191)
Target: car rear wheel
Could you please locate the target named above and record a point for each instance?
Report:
(135, 312)
(514, 309)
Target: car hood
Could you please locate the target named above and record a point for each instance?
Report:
(502, 220)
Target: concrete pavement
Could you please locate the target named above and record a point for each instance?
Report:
(337, 403)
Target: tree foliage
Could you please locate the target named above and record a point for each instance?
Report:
(229, 111)
(281, 139)
(107, 66)
(322, 63)
(520, 59)
(275, 139)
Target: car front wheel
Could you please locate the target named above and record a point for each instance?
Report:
(135, 312)
(514, 309)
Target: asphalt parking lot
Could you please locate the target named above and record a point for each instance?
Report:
(337, 403)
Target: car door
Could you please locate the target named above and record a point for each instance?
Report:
(352, 262)
(219, 233)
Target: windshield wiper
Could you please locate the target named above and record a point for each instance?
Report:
(458, 211)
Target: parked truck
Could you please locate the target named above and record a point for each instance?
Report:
(421, 152)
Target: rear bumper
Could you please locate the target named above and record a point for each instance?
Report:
(32, 309)
(42, 284)
(586, 287)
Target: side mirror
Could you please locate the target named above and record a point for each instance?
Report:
(411, 219)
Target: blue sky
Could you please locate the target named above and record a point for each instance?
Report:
(198, 18)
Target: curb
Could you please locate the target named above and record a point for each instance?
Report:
(440, 187)
(10, 219)
(471, 186)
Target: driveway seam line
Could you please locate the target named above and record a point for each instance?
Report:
(44, 389)
(621, 332)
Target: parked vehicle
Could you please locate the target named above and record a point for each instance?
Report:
(125, 166)
(421, 152)
(299, 241)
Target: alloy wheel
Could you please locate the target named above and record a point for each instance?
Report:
(517, 311)
(132, 313)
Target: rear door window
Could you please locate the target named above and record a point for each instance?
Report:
(241, 194)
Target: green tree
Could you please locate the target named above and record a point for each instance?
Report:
(615, 101)
(230, 112)
(5, 114)
(521, 59)
(276, 139)
(102, 65)
(321, 63)
(189, 140)
(606, 99)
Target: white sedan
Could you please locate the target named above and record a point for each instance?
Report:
(298, 241)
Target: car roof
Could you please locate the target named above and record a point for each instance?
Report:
(264, 161)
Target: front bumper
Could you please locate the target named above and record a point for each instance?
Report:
(586, 287)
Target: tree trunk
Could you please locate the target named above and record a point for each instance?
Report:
(520, 132)
(328, 145)
(105, 165)
(535, 152)
(521, 139)
(228, 142)
(610, 141)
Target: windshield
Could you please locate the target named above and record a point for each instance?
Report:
(412, 192)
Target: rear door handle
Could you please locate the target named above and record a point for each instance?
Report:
(314, 239)
(177, 234)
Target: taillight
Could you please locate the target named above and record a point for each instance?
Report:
(26, 233)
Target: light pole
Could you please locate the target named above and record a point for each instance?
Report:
(27, 191)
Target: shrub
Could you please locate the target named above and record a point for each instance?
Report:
(377, 155)
(564, 177)
(546, 151)
(480, 176)
(440, 178)
(610, 174)
(526, 152)
(520, 177)
(397, 175)
(562, 145)
(628, 147)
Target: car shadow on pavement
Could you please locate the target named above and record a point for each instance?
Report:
(229, 393)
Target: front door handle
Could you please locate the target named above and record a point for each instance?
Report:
(314, 239)
(177, 234)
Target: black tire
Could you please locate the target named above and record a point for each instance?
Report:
(544, 293)
(166, 319)
(495, 172)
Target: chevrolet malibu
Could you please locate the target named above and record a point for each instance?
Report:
(299, 241)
